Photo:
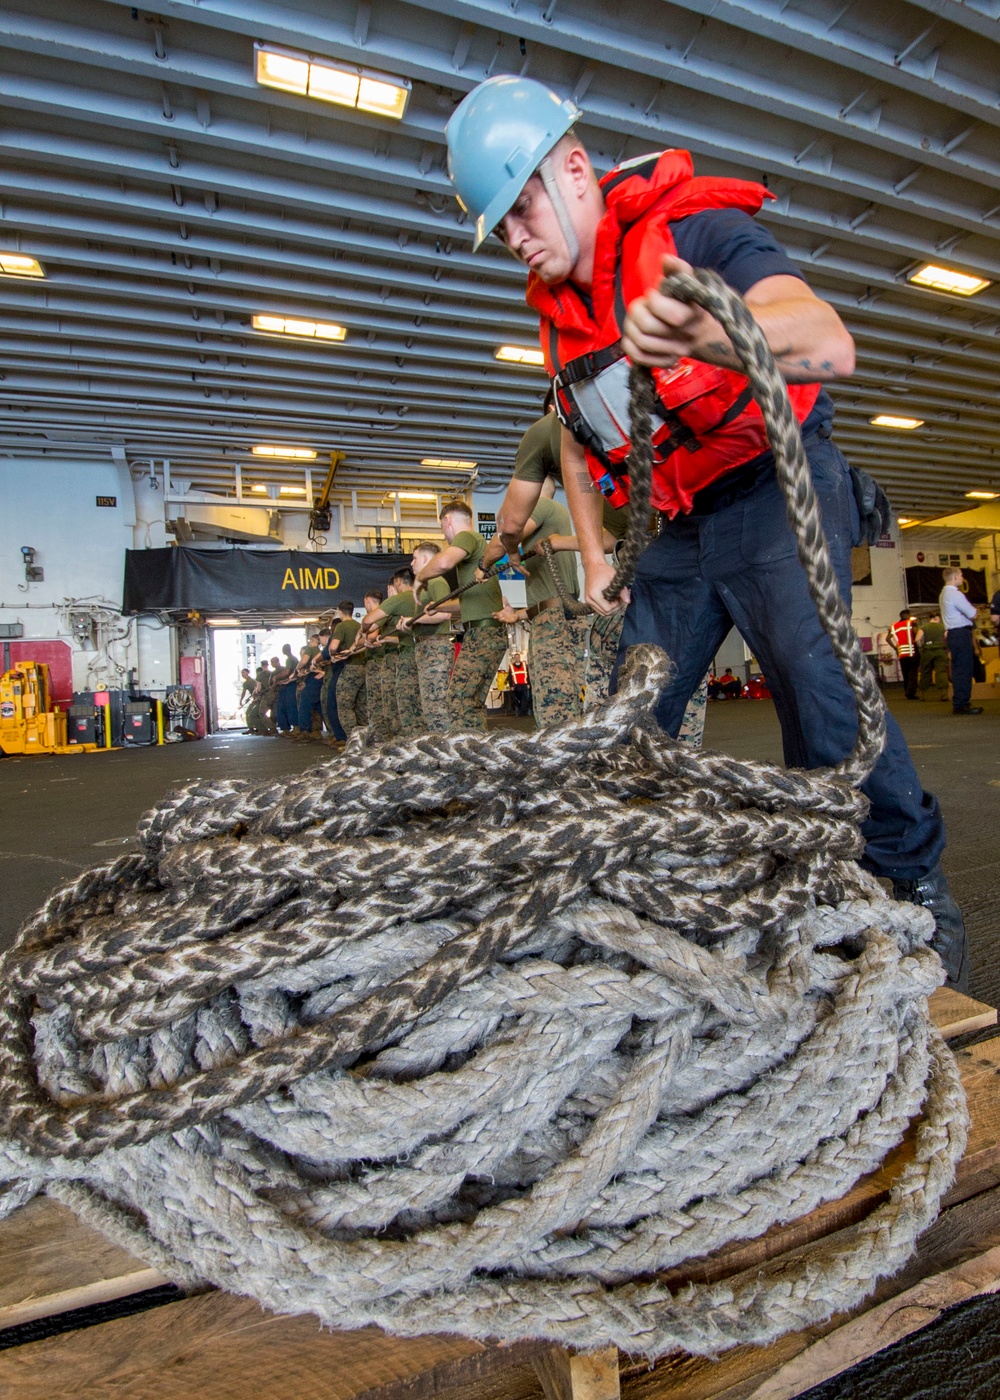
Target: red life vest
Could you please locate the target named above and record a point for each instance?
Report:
(708, 422)
(903, 633)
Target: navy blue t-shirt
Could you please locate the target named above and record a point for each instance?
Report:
(742, 252)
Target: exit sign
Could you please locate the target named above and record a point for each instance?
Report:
(107, 500)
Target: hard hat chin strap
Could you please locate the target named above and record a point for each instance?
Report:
(548, 178)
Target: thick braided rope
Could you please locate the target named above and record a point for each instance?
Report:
(475, 1034)
(485, 1033)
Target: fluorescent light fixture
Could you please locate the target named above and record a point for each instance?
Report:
(259, 489)
(385, 97)
(294, 325)
(283, 71)
(293, 490)
(904, 520)
(414, 495)
(287, 454)
(946, 279)
(333, 85)
(448, 463)
(890, 420)
(223, 621)
(520, 355)
(982, 495)
(20, 265)
(342, 84)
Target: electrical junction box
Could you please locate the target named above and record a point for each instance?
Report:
(139, 722)
(84, 725)
(9, 630)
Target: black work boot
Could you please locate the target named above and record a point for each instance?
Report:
(950, 941)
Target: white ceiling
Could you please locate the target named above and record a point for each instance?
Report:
(170, 197)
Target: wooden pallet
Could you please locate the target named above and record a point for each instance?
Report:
(55, 1271)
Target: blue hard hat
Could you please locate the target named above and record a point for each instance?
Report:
(497, 137)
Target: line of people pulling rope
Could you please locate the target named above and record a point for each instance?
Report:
(397, 669)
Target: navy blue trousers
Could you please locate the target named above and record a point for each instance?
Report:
(959, 641)
(736, 565)
(332, 718)
(309, 702)
(285, 714)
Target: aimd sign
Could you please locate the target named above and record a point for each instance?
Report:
(181, 579)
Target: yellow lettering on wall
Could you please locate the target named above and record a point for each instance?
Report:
(289, 580)
(326, 580)
(313, 580)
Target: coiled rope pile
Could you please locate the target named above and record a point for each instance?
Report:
(481, 1034)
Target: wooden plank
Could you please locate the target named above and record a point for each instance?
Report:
(963, 1234)
(587, 1375)
(882, 1327)
(51, 1262)
(87, 1296)
(219, 1347)
(955, 1014)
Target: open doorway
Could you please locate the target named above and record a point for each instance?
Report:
(232, 649)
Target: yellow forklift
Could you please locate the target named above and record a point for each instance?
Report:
(28, 722)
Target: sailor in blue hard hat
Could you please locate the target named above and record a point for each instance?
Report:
(596, 253)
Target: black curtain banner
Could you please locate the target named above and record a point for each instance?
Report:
(237, 580)
(924, 584)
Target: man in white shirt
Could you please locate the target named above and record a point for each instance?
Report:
(958, 616)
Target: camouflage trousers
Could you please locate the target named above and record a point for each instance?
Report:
(556, 661)
(265, 715)
(605, 635)
(434, 658)
(411, 716)
(472, 674)
(373, 692)
(352, 710)
(380, 683)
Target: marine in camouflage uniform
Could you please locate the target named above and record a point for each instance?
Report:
(407, 686)
(252, 714)
(269, 699)
(435, 651)
(352, 695)
(390, 705)
(349, 695)
(485, 639)
(472, 675)
(374, 671)
(383, 706)
(555, 641)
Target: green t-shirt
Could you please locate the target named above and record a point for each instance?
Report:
(933, 634)
(538, 456)
(432, 592)
(402, 604)
(484, 600)
(551, 519)
(345, 633)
